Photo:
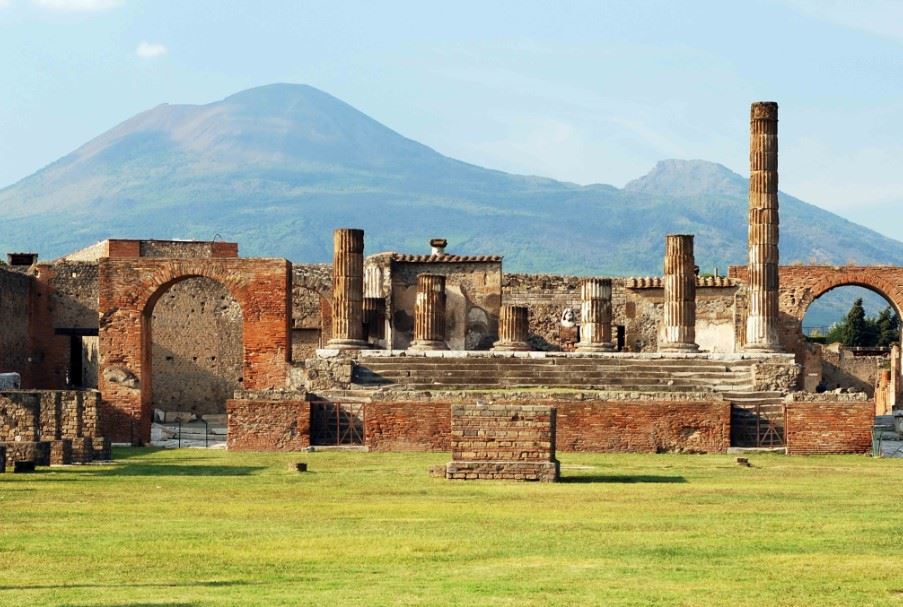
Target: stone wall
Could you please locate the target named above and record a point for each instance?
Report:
(636, 308)
(14, 335)
(20, 416)
(812, 428)
(407, 426)
(197, 347)
(473, 299)
(269, 425)
(644, 426)
(510, 442)
(311, 309)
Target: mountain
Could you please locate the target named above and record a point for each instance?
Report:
(276, 168)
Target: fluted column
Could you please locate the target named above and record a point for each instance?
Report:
(347, 289)
(429, 313)
(514, 327)
(595, 315)
(680, 295)
(763, 316)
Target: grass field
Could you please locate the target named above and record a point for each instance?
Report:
(199, 528)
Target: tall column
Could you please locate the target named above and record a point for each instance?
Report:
(595, 315)
(429, 313)
(680, 295)
(347, 289)
(514, 327)
(763, 317)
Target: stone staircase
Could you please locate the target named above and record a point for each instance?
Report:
(613, 373)
(757, 419)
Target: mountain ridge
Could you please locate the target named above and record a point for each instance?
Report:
(277, 167)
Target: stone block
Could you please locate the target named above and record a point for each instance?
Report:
(82, 450)
(61, 452)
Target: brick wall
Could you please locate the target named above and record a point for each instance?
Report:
(644, 426)
(828, 427)
(128, 291)
(511, 442)
(407, 426)
(268, 425)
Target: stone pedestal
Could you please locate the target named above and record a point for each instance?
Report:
(60, 452)
(595, 316)
(514, 327)
(429, 313)
(763, 317)
(680, 295)
(347, 290)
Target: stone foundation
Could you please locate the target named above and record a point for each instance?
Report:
(82, 450)
(278, 423)
(407, 426)
(28, 451)
(510, 442)
(101, 448)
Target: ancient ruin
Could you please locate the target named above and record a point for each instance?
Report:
(133, 341)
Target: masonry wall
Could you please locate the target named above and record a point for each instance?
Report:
(268, 425)
(473, 300)
(14, 334)
(19, 416)
(197, 347)
(812, 428)
(311, 308)
(638, 309)
(407, 426)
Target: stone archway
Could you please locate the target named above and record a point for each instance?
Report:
(128, 291)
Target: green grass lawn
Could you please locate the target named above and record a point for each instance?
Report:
(198, 528)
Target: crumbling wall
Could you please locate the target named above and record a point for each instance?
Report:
(14, 334)
(841, 369)
(311, 309)
(270, 421)
(197, 347)
(473, 299)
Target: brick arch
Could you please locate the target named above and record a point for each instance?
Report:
(129, 289)
(802, 285)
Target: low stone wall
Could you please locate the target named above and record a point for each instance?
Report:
(82, 450)
(60, 452)
(644, 426)
(407, 426)
(510, 442)
(28, 451)
(812, 428)
(19, 416)
(268, 425)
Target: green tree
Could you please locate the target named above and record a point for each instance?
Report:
(857, 330)
(888, 327)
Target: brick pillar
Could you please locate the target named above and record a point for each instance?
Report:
(429, 313)
(347, 290)
(595, 315)
(514, 326)
(680, 295)
(763, 317)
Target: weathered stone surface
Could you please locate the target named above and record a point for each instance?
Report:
(407, 426)
(429, 313)
(763, 318)
(268, 425)
(595, 316)
(61, 452)
(28, 451)
(512, 442)
(514, 327)
(82, 450)
(348, 289)
(680, 295)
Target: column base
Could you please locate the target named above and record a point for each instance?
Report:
(510, 346)
(600, 347)
(763, 348)
(424, 345)
(686, 348)
(347, 344)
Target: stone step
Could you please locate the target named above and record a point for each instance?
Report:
(600, 387)
(741, 394)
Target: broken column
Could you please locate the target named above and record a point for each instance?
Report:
(595, 315)
(347, 289)
(514, 327)
(680, 295)
(429, 313)
(762, 318)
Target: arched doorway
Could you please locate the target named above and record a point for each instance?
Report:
(847, 332)
(196, 350)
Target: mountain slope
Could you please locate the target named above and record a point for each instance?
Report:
(277, 167)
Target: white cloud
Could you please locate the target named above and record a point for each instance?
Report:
(78, 5)
(151, 50)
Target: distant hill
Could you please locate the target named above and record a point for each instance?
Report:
(276, 168)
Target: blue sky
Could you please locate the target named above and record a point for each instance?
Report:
(590, 92)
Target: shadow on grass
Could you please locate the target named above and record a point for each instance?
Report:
(146, 469)
(130, 452)
(631, 478)
(192, 583)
